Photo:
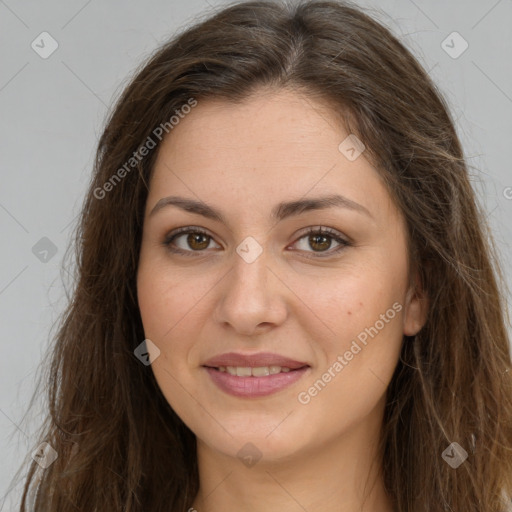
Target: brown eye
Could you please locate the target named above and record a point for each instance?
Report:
(190, 241)
(320, 240)
(198, 241)
(187, 240)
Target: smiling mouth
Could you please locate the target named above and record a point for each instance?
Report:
(261, 371)
(255, 381)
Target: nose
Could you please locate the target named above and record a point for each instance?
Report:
(252, 297)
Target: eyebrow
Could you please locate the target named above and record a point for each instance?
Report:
(281, 211)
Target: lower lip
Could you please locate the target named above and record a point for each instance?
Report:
(253, 387)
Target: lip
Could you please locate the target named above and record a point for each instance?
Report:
(253, 360)
(254, 387)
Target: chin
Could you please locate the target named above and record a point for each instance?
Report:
(258, 440)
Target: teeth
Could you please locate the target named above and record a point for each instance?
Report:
(262, 371)
(243, 372)
(259, 372)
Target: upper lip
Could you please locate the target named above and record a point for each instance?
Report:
(253, 360)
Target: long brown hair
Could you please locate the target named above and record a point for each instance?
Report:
(452, 382)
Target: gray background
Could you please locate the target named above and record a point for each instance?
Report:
(52, 113)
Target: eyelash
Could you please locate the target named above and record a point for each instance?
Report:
(317, 230)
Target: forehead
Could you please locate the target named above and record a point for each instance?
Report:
(271, 119)
(279, 145)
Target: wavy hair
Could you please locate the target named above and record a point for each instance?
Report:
(452, 382)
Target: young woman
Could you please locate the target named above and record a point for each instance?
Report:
(287, 297)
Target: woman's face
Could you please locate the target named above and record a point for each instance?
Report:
(255, 281)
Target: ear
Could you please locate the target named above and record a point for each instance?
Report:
(416, 308)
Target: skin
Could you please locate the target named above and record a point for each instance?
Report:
(292, 300)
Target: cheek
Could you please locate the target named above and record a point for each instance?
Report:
(354, 299)
(166, 306)
(165, 299)
(173, 309)
(360, 363)
(363, 311)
